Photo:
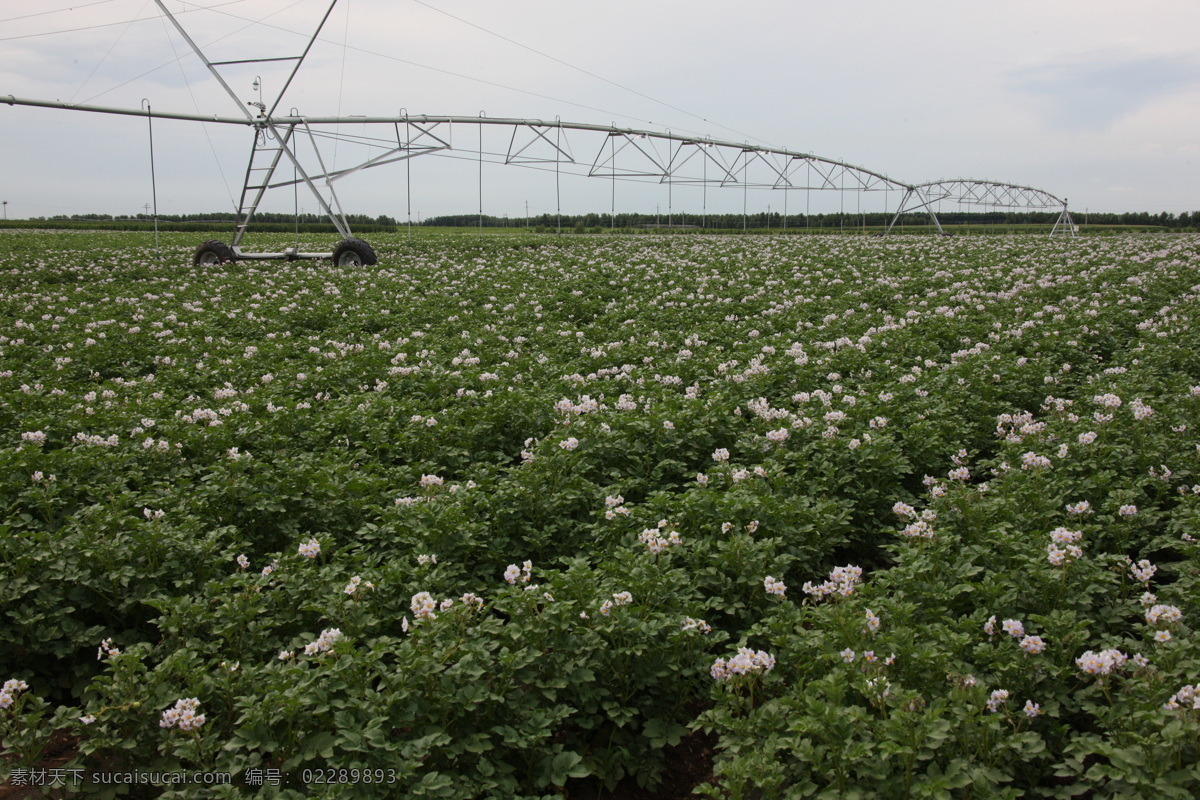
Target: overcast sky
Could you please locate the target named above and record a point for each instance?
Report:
(1097, 102)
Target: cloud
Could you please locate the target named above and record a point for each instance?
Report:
(1097, 91)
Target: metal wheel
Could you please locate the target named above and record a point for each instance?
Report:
(213, 252)
(353, 253)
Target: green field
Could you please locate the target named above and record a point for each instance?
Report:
(581, 516)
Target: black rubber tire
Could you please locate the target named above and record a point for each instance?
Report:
(353, 253)
(213, 252)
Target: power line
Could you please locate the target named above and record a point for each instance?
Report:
(578, 69)
(196, 106)
(57, 11)
(107, 53)
(250, 23)
(460, 75)
(109, 24)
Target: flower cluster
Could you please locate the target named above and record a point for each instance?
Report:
(656, 543)
(355, 583)
(423, 606)
(1033, 644)
(1163, 615)
(1032, 460)
(310, 549)
(182, 715)
(921, 526)
(746, 662)
(613, 506)
(1140, 409)
(513, 573)
(1186, 698)
(1016, 427)
(998, 698)
(10, 690)
(324, 643)
(690, 624)
(106, 649)
(775, 587)
(618, 599)
(1102, 663)
(1142, 571)
(841, 583)
(1058, 555)
(1016, 629)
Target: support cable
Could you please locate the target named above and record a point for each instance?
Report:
(196, 106)
(745, 186)
(671, 185)
(612, 214)
(481, 177)
(108, 52)
(557, 189)
(408, 181)
(100, 25)
(251, 24)
(153, 180)
(582, 70)
(342, 83)
(55, 11)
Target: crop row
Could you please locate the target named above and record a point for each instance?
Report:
(516, 516)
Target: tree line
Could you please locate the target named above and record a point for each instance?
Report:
(762, 220)
(595, 222)
(232, 217)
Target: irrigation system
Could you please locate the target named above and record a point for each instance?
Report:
(282, 140)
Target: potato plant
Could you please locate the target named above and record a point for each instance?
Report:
(512, 516)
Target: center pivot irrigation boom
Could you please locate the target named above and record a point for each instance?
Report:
(647, 155)
(272, 141)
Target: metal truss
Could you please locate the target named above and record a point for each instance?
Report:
(619, 153)
(973, 192)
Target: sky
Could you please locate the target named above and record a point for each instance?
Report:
(1095, 102)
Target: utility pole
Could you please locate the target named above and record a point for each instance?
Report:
(6, 210)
